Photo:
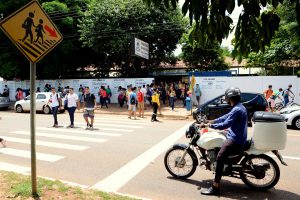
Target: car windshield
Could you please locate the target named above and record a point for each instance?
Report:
(247, 97)
(220, 100)
(28, 97)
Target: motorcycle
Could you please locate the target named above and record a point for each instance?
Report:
(256, 169)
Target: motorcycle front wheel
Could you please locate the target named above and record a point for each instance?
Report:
(259, 172)
(185, 168)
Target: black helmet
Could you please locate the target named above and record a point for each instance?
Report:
(232, 92)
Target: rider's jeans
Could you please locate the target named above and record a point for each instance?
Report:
(229, 147)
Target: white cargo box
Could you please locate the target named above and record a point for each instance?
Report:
(269, 131)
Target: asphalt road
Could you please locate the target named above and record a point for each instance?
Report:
(126, 156)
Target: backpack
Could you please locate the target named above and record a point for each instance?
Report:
(132, 100)
(140, 97)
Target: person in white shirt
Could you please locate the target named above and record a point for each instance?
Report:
(144, 91)
(55, 101)
(73, 103)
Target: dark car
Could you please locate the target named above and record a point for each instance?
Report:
(218, 106)
(4, 101)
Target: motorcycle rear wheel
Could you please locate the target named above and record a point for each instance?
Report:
(181, 170)
(263, 178)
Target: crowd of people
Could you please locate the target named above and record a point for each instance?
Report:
(272, 95)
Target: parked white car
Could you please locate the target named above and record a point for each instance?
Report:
(42, 104)
(292, 116)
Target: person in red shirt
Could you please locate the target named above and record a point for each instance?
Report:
(268, 93)
(103, 96)
(141, 103)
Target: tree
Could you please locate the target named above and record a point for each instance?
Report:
(285, 45)
(110, 25)
(254, 29)
(65, 59)
(200, 59)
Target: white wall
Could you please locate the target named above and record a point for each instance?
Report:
(214, 86)
(94, 85)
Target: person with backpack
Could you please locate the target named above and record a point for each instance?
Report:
(156, 104)
(273, 97)
(132, 103)
(141, 103)
(89, 105)
(55, 101)
(286, 94)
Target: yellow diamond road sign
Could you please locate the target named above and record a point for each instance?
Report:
(32, 31)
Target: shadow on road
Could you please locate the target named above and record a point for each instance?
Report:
(240, 191)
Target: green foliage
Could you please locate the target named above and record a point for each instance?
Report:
(109, 26)
(284, 46)
(200, 59)
(254, 30)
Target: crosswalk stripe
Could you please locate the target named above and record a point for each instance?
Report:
(27, 154)
(110, 125)
(48, 144)
(52, 135)
(14, 168)
(122, 121)
(78, 131)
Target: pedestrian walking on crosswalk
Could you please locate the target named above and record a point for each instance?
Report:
(72, 103)
(55, 100)
(3, 142)
(89, 105)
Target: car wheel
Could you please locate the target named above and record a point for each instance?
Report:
(201, 118)
(46, 110)
(19, 109)
(296, 123)
(62, 111)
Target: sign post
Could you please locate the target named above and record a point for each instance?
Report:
(35, 35)
(193, 82)
(32, 128)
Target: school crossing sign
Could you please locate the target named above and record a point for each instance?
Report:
(32, 31)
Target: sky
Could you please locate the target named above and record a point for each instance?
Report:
(226, 42)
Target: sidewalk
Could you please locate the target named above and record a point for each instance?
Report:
(179, 113)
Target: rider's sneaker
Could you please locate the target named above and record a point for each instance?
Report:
(211, 191)
(87, 126)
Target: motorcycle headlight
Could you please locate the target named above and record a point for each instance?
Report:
(191, 131)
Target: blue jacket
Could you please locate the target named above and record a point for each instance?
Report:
(237, 122)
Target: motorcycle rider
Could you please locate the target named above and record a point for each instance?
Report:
(236, 122)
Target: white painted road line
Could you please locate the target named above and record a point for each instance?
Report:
(52, 135)
(27, 154)
(285, 157)
(125, 120)
(119, 178)
(14, 168)
(294, 135)
(48, 144)
(110, 125)
(83, 132)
